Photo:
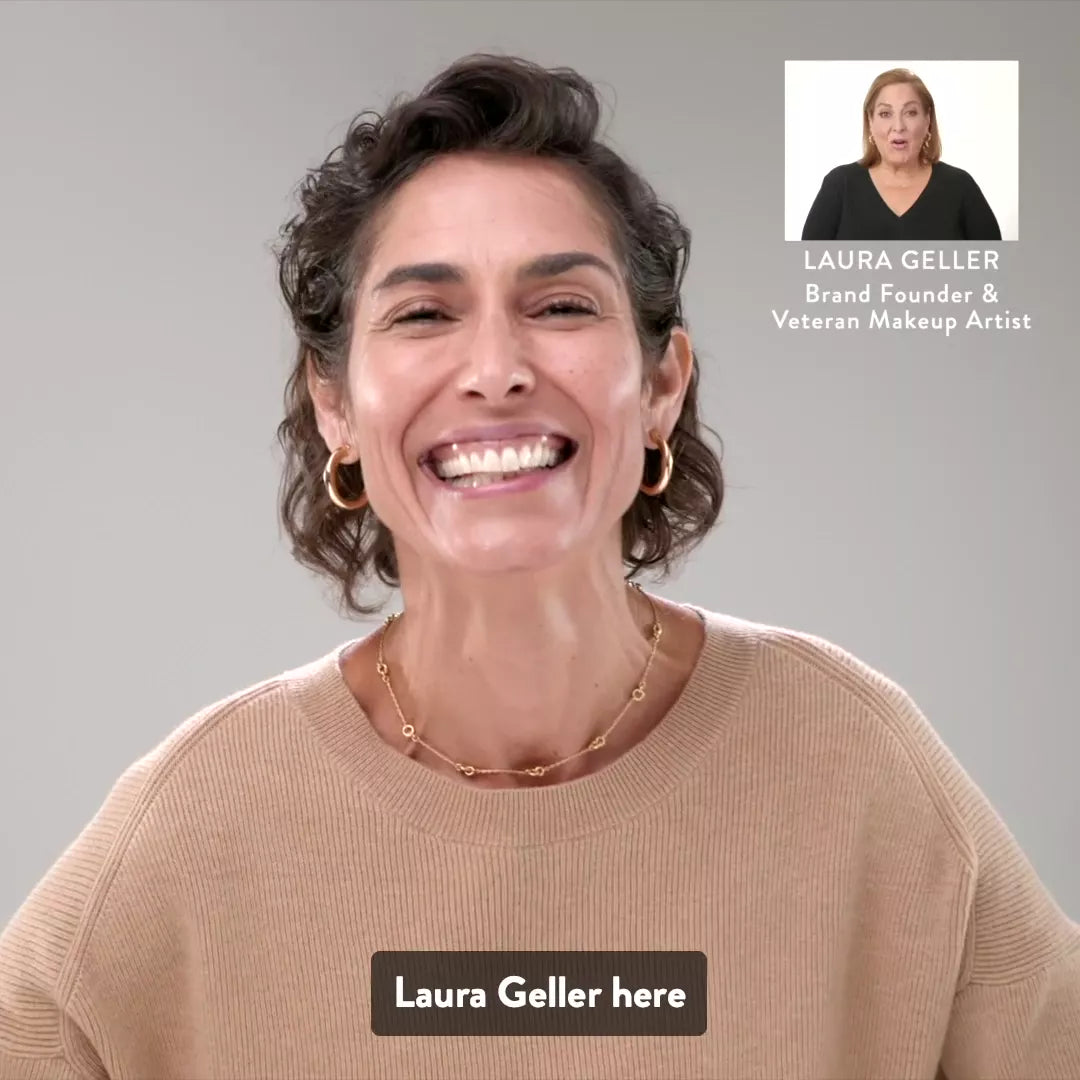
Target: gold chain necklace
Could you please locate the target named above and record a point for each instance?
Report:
(636, 695)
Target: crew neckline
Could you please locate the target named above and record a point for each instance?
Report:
(447, 807)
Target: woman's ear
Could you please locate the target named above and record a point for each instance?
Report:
(668, 384)
(326, 399)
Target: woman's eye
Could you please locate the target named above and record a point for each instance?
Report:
(569, 307)
(417, 315)
(562, 306)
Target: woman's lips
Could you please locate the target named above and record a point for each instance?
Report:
(524, 481)
(449, 451)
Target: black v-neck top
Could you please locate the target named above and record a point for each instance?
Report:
(951, 207)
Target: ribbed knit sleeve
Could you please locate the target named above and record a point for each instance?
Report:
(45, 1032)
(1016, 1012)
(51, 1026)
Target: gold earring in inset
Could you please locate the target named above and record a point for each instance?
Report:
(666, 471)
(330, 480)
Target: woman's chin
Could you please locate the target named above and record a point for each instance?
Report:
(502, 547)
(899, 158)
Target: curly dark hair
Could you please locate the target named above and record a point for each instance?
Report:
(492, 103)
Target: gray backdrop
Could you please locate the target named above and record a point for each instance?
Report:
(913, 498)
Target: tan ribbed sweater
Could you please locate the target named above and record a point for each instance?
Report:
(863, 910)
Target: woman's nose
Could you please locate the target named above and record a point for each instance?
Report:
(494, 365)
(496, 381)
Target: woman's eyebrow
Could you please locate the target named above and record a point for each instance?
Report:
(543, 266)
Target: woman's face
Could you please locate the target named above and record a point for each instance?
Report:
(469, 355)
(899, 124)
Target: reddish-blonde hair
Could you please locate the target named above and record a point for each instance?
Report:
(930, 151)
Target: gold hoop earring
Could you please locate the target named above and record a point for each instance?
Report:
(669, 466)
(330, 480)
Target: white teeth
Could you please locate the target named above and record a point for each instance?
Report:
(497, 463)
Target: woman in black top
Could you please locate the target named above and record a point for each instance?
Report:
(899, 189)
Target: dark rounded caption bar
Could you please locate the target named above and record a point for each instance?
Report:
(539, 993)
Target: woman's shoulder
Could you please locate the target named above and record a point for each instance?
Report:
(802, 650)
(808, 679)
(214, 753)
(222, 719)
(840, 174)
(177, 810)
(953, 174)
(809, 691)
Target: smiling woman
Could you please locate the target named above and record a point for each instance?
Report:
(494, 406)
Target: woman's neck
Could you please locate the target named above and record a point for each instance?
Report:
(508, 674)
(902, 173)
